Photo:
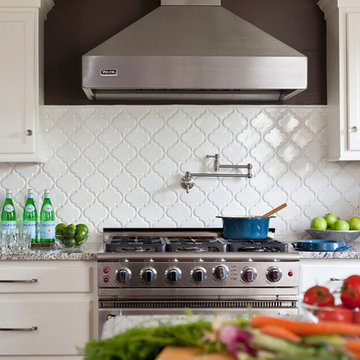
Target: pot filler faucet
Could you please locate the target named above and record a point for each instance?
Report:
(188, 181)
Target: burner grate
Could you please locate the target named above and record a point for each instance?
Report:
(189, 244)
(264, 245)
(137, 244)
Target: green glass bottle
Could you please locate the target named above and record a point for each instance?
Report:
(30, 217)
(47, 220)
(8, 215)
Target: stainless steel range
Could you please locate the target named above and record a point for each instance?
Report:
(164, 271)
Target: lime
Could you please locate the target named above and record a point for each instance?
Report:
(70, 242)
(69, 231)
(82, 227)
(59, 228)
(79, 242)
(80, 235)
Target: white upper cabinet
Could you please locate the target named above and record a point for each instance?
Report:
(21, 75)
(343, 77)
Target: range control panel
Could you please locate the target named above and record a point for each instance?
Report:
(197, 273)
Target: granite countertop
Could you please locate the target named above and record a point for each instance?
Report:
(91, 250)
(88, 252)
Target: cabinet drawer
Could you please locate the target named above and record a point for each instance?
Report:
(326, 272)
(37, 278)
(59, 325)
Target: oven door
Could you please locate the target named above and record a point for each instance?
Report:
(118, 313)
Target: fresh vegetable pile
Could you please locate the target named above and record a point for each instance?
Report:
(322, 302)
(260, 337)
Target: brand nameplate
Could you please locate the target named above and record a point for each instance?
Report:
(108, 72)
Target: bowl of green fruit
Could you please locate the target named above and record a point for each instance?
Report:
(71, 236)
(330, 227)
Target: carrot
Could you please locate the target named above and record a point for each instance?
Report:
(280, 332)
(355, 354)
(352, 345)
(307, 328)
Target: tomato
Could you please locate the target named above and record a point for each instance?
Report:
(356, 317)
(335, 313)
(350, 292)
(318, 295)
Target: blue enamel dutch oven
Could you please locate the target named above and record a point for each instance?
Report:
(255, 227)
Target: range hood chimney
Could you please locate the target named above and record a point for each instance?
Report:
(193, 50)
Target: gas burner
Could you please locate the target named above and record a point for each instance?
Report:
(189, 244)
(263, 245)
(135, 244)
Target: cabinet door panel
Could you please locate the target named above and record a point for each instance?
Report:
(17, 111)
(353, 63)
(326, 272)
(46, 278)
(62, 325)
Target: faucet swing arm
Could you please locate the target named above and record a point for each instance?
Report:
(188, 182)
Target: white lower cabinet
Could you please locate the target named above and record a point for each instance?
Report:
(326, 272)
(39, 322)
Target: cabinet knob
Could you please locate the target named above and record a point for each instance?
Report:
(29, 132)
(354, 129)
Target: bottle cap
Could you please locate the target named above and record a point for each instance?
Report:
(46, 191)
(8, 191)
(30, 190)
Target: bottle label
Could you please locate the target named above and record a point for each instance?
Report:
(48, 208)
(9, 208)
(30, 226)
(8, 225)
(47, 229)
(29, 208)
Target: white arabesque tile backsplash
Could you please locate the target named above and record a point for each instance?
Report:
(122, 165)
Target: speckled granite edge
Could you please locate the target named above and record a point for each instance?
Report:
(329, 255)
(89, 253)
(45, 256)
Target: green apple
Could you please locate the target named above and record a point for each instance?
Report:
(318, 223)
(330, 220)
(341, 225)
(354, 223)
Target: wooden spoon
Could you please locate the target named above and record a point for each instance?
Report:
(273, 211)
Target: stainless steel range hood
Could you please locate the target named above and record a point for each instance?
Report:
(193, 50)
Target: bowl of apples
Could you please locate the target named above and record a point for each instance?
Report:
(330, 227)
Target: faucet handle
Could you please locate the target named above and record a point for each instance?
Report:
(216, 161)
(187, 181)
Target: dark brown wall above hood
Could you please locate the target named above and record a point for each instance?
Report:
(74, 27)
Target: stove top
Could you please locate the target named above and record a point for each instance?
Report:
(185, 240)
(135, 244)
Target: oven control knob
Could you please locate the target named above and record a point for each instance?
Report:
(221, 272)
(248, 274)
(123, 275)
(273, 274)
(198, 274)
(173, 274)
(148, 274)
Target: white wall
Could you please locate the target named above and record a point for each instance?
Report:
(121, 166)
